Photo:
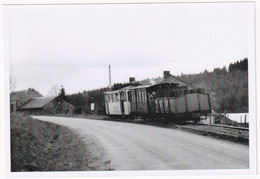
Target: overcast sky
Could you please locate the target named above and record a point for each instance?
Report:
(72, 45)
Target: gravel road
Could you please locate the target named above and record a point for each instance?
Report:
(126, 146)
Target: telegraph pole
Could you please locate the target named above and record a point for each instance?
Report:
(109, 76)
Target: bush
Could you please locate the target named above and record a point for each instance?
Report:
(78, 110)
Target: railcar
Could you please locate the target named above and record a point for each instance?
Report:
(164, 100)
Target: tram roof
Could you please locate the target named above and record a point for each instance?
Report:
(142, 86)
(152, 85)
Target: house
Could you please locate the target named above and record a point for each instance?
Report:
(47, 105)
(167, 77)
(19, 98)
(38, 105)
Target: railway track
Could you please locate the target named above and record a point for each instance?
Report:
(232, 133)
(226, 132)
(236, 134)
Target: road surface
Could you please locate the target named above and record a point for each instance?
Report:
(127, 146)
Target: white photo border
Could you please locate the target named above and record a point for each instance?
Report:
(254, 126)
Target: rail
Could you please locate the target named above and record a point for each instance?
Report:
(226, 126)
(236, 134)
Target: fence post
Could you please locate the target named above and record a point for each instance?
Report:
(245, 120)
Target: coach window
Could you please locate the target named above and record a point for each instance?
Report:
(144, 96)
(139, 95)
(112, 97)
(133, 96)
(107, 96)
(181, 92)
(117, 97)
(171, 94)
(123, 96)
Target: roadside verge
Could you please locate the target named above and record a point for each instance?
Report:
(44, 146)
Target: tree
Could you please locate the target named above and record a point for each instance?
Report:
(63, 93)
(54, 91)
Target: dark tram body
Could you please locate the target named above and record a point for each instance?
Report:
(166, 99)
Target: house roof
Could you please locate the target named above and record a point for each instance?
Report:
(174, 79)
(38, 102)
(17, 95)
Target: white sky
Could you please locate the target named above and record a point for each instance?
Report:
(72, 45)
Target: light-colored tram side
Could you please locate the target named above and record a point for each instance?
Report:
(117, 102)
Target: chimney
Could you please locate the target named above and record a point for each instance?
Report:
(166, 74)
(131, 79)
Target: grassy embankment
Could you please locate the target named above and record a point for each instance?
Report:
(44, 146)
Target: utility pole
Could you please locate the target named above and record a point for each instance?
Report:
(109, 76)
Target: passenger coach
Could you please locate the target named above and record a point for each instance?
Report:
(168, 100)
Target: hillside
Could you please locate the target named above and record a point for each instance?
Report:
(228, 87)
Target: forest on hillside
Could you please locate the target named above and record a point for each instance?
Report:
(228, 89)
(83, 100)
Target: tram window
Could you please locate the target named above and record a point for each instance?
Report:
(133, 96)
(113, 97)
(117, 97)
(126, 96)
(181, 92)
(139, 96)
(123, 96)
(105, 97)
(143, 95)
(171, 94)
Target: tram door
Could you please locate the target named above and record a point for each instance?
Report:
(151, 103)
(122, 100)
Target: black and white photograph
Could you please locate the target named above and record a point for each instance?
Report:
(129, 89)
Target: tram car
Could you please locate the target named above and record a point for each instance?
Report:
(169, 99)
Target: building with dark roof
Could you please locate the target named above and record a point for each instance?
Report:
(32, 102)
(19, 98)
(167, 77)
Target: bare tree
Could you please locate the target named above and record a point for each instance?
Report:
(12, 84)
(54, 91)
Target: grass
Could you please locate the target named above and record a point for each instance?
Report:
(44, 146)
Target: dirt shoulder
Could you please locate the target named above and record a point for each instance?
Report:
(44, 146)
